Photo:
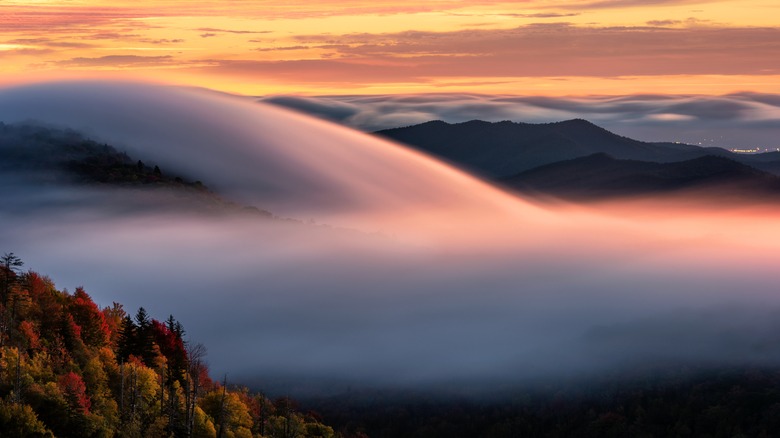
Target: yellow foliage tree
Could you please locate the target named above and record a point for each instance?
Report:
(228, 412)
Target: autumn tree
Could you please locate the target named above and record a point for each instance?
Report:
(168, 337)
(114, 317)
(9, 268)
(196, 380)
(231, 415)
(94, 329)
(139, 396)
(21, 421)
(70, 332)
(75, 391)
(48, 306)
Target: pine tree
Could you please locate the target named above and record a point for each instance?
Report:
(9, 268)
(127, 339)
(144, 339)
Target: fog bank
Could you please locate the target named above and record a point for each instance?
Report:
(439, 277)
(740, 120)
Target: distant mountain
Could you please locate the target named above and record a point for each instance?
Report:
(48, 155)
(502, 149)
(600, 176)
(63, 154)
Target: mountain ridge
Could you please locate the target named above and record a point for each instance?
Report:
(507, 148)
(577, 159)
(600, 176)
(64, 156)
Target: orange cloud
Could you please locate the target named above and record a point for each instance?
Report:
(316, 47)
(536, 50)
(609, 4)
(122, 61)
(58, 19)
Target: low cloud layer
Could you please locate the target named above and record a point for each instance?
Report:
(745, 120)
(442, 279)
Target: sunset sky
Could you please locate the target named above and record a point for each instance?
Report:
(555, 48)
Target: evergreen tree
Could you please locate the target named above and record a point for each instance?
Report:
(144, 339)
(9, 268)
(126, 342)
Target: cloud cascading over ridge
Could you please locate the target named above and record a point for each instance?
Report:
(462, 283)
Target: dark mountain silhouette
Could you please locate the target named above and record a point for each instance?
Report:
(66, 154)
(602, 176)
(503, 149)
(61, 156)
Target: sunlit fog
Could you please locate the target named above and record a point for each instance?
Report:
(382, 265)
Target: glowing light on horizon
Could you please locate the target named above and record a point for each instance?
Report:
(400, 47)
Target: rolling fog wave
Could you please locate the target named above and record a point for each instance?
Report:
(462, 282)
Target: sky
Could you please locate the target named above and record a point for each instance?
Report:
(268, 47)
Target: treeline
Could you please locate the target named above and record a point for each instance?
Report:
(66, 156)
(679, 402)
(71, 369)
(35, 147)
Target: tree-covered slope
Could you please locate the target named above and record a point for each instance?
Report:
(600, 176)
(63, 157)
(502, 149)
(69, 368)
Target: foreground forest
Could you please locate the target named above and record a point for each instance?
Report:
(71, 369)
(684, 402)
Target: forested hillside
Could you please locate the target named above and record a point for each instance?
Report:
(62, 157)
(71, 369)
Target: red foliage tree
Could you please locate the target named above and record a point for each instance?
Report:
(47, 305)
(168, 336)
(165, 338)
(29, 332)
(94, 328)
(37, 286)
(75, 391)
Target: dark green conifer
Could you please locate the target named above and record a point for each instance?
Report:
(126, 341)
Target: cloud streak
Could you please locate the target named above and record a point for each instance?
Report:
(542, 51)
(564, 50)
(619, 4)
(66, 19)
(119, 61)
(240, 32)
(48, 42)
